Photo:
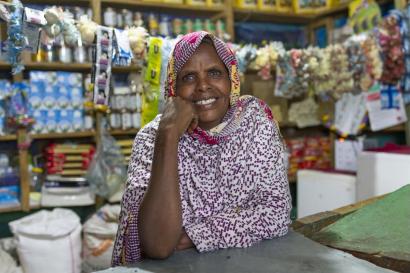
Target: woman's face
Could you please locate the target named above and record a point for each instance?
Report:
(204, 81)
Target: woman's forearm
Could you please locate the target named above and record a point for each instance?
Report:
(160, 220)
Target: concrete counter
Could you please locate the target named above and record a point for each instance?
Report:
(293, 253)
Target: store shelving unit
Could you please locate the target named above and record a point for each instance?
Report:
(227, 12)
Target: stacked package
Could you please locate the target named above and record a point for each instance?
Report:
(5, 87)
(126, 148)
(57, 102)
(66, 164)
(69, 159)
(9, 183)
(308, 153)
(126, 107)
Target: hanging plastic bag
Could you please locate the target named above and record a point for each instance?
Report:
(107, 171)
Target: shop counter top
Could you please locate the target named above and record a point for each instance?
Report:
(292, 253)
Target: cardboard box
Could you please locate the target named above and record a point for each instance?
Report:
(265, 91)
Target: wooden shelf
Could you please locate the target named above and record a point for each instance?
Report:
(162, 6)
(394, 129)
(60, 2)
(16, 208)
(8, 138)
(272, 16)
(123, 132)
(64, 135)
(10, 209)
(5, 66)
(73, 67)
(125, 69)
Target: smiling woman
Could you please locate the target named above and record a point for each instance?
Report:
(209, 172)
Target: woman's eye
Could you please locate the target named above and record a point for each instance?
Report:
(215, 73)
(188, 78)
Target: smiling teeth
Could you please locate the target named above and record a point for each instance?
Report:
(204, 102)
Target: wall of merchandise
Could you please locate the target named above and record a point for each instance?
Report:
(63, 89)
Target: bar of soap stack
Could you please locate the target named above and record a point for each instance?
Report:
(69, 159)
(65, 184)
(126, 148)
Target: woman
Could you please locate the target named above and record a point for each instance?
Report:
(209, 173)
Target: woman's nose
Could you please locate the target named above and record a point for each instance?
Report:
(203, 84)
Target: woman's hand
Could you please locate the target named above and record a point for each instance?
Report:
(184, 242)
(179, 115)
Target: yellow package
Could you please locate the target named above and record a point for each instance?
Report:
(311, 6)
(247, 4)
(150, 98)
(195, 2)
(284, 6)
(267, 5)
(215, 3)
(174, 1)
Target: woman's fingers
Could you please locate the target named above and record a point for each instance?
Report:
(194, 123)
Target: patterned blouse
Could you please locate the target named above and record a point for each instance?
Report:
(234, 192)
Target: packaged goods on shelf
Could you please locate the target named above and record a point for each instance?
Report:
(126, 104)
(195, 2)
(68, 159)
(266, 5)
(160, 24)
(55, 50)
(308, 153)
(215, 3)
(57, 101)
(5, 89)
(311, 6)
(9, 183)
(248, 4)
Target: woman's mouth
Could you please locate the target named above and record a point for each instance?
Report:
(205, 102)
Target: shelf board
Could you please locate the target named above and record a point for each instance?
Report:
(10, 209)
(242, 14)
(173, 7)
(8, 138)
(123, 132)
(5, 66)
(64, 135)
(394, 129)
(17, 208)
(74, 67)
(60, 2)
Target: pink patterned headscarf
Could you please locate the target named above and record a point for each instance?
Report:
(186, 47)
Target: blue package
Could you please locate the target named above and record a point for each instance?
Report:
(77, 97)
(38, 126)
(62, 95)
(51, 124)
(78, 120)
(36, 94)
(5, 89)
(64, 120)
(49, 97)
(9, 195)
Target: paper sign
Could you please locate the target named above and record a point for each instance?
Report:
(383, 118)
(346, 153)
(350, 112)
